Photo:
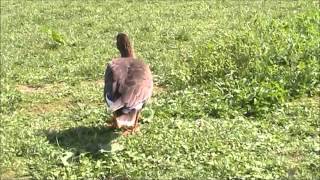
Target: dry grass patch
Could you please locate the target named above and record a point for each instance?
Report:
(52, 107)
(29, 89)
(46, 88)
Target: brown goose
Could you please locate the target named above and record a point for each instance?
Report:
(128, 85)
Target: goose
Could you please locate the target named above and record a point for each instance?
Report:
(128, 85)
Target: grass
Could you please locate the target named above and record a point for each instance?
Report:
(236, 96)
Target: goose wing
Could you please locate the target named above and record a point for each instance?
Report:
(128, 84)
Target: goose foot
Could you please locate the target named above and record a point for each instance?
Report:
(130, 131)
(112, 124)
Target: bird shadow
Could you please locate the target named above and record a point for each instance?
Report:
(83, 139)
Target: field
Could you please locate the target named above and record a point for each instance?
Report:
(236, 95)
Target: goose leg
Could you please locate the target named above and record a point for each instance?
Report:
(136, 126)
(113, 123)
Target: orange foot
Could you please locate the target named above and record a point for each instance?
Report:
(131, 130)
(112, 124)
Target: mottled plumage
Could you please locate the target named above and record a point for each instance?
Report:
(128, 85)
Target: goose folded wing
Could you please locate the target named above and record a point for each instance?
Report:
(112, 95)
(127, 84)
(138, 85)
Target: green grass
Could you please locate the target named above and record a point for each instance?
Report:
(237, 90)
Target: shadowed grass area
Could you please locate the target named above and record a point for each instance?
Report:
(82, 139)
(236, 90)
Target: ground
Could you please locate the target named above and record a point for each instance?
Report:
(236, 90)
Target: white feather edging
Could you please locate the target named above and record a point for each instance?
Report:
(114, 106)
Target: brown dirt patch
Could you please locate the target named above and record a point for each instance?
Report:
(52, 107)
(159, 89)
(100, 82)
(31, 89)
